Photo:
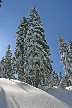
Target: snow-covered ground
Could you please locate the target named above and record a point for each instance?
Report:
(64, 96)
(15, 94)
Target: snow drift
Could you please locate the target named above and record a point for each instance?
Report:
(63, 95)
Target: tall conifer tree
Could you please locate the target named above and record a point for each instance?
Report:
(8, 63)
(38, 64)
(21, 47)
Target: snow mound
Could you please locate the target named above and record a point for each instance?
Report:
(16, 94)
(63, 95)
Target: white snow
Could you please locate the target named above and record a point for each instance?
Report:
(16, 94)
(64, 96)
(69, 88)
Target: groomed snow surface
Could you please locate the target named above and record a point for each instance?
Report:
(15, 94)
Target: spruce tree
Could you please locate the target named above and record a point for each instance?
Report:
(21, 47)
(64, 81)
(55, 79)
(64, 51)
(63, 48)
(2, 63)
(2, 66)
(38, 64)
(14, 65)
(70, 60)
(0, 70)
(8, 63)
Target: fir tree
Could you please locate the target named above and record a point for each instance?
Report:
(8, 63)
(38, 64)
(55, 79)
(14, 65)
(3, 62)
(21, 47)
(63, 48)
(64, 81)
(70, 60)
(64, 51)
(2, 66)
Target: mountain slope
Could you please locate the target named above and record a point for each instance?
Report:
(15, 94)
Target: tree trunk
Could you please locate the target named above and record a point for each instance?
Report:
(37, 79)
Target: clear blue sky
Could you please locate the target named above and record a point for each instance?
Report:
(56, 16)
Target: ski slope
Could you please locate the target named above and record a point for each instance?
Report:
(15, 94)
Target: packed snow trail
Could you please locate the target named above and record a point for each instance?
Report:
(15, 94)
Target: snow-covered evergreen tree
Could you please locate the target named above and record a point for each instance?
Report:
(3, 63)
(55, 79)
(64, 81)
(38, 64)
(63, 48)
(21, 47)
(14, 65)
(64, 51)
(2, 67)
(0, 70)
(8, 63)
(70, 60)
